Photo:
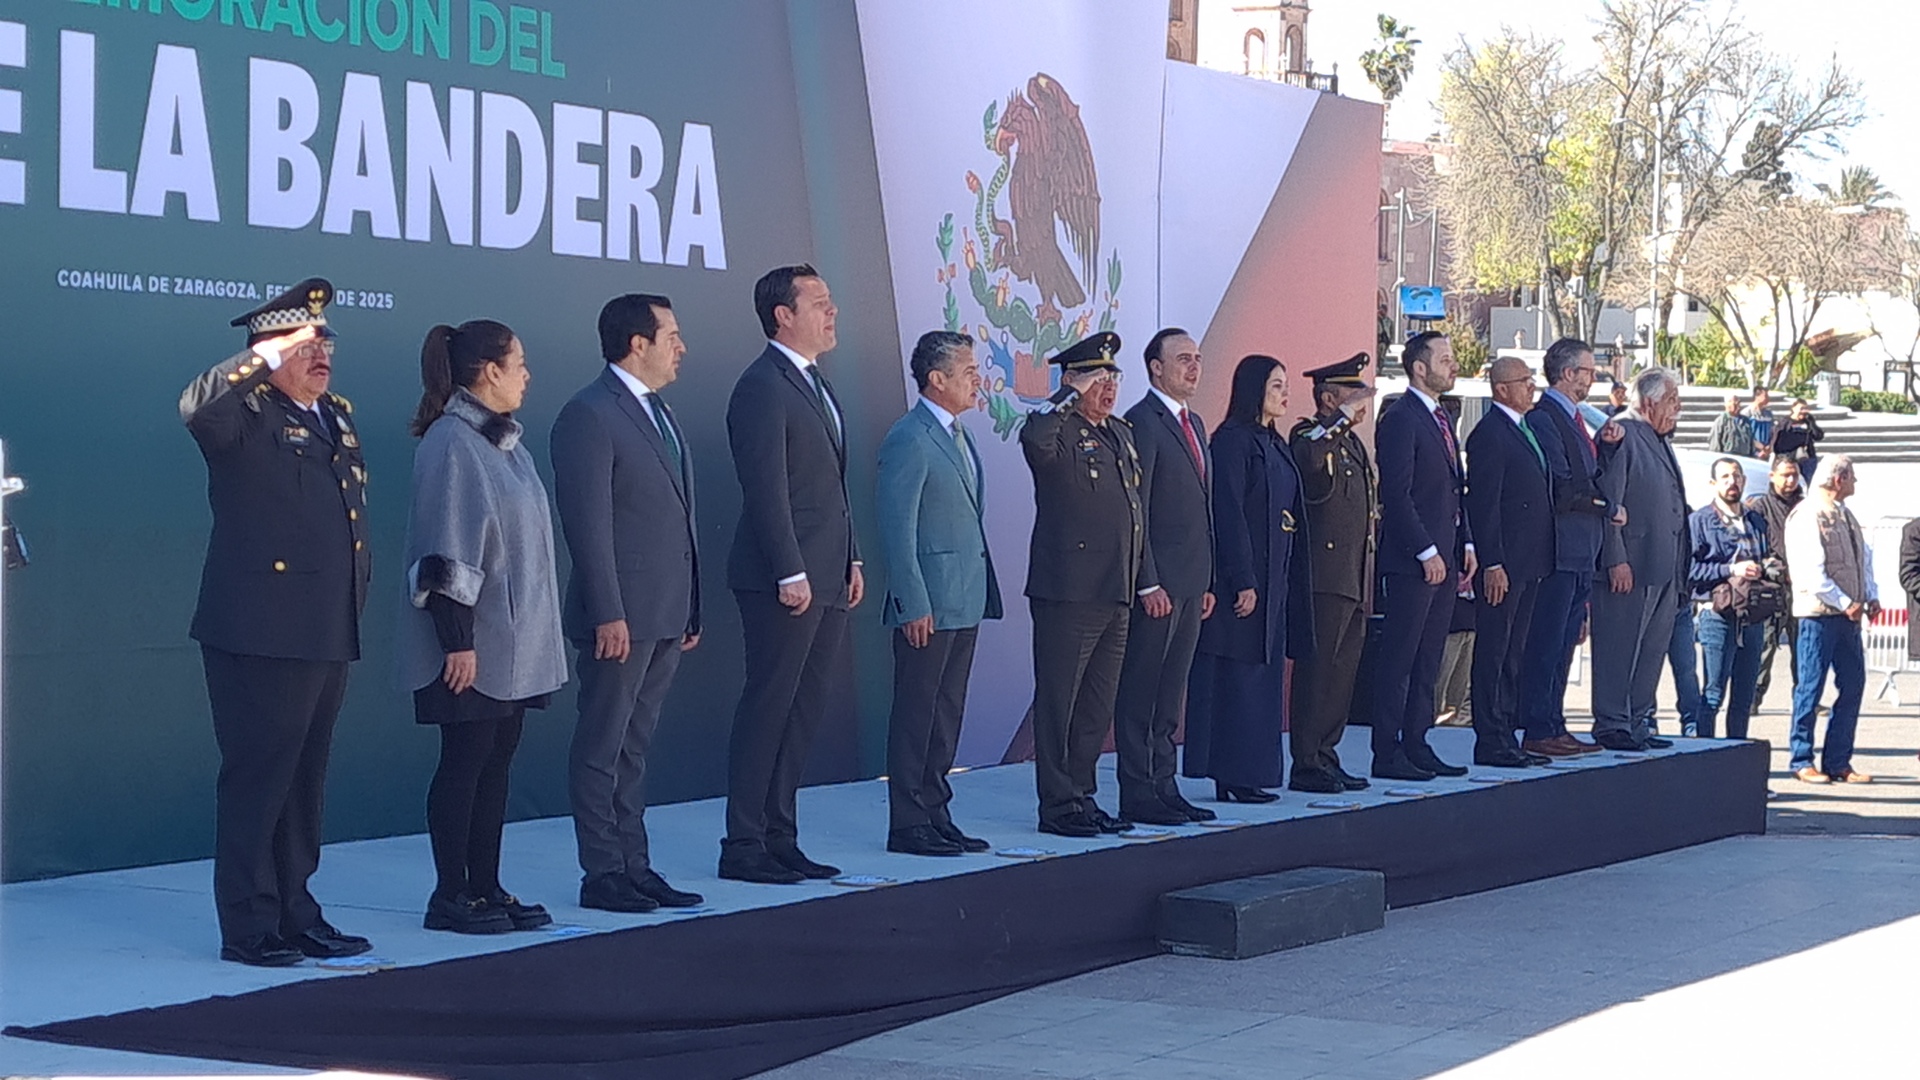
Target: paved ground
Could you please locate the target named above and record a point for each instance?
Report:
(1755, 956)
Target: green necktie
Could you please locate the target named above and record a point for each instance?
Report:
(1533, 442)
(668, 435)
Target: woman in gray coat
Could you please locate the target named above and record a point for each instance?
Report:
(481, 643)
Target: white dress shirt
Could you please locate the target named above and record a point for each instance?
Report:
(1807, 558)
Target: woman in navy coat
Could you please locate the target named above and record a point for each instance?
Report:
(1264, 615)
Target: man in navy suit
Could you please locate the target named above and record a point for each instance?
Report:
(1510, 508)
(623, 481)
(1580, 514)
(794, 570)
(930, 494)
(1163, 626)
(1425, 548)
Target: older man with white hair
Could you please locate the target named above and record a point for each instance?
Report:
(1831, 567)
(1645, 561)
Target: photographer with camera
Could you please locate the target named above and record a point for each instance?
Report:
(1737, 588)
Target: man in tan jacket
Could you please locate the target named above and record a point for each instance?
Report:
(1833, 590)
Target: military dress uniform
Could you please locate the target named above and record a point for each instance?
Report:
(1342, 510)
(278, 622)
(1089, 553)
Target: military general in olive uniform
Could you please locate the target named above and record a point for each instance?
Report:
(1341, 511)
(1088, 561)
(279, 616)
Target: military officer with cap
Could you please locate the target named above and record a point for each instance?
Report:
(1088, 560)
(1338, 483)
(279, 615)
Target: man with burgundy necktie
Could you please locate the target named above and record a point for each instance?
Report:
(1425, 549)
(1163, 627)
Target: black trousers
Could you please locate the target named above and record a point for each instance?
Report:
(607, 764)
(1413, 634)
(1077, 652)
(467, 803)
(790, 663)
(1323, 690)
(1152, 695)
(923, 730)
(273, 720)
(1499, 656)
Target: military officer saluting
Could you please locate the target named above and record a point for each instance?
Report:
(279, 615)
(1088, 561)
(1338, 483)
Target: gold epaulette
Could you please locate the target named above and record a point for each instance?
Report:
(340, 403)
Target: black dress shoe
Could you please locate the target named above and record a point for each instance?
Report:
(1398, 767)
(1154, 813)
(263, 950)
(971, 844)
(1655, 742)
(1352, 782)
(1316, 782)
(1619, 740)
(1501, 757)
(615, 892)
(758, 866)
(655, 888)
(465, 914)
(796, 860)
(1235, 793)
(921, 840)
(1107, 823)
(1537, 759)
(1077, 824)
(522, 915)
(1422, 757)
(322, 942)
(1194, 813)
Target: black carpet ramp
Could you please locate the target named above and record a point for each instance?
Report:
(721, 997)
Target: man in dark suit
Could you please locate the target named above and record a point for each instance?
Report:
(1580, 513)
(794, 570)
(1426, 546)
(1646, 566)
(279, 616)
(1337, 478)
(930, 493)
(1163, 625)
(1089, 559)
(1510, 508)
(623, 479)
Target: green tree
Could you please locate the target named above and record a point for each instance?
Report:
(1859, 186)
(1389, 65)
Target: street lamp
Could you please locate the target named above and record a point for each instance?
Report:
(1653, 235)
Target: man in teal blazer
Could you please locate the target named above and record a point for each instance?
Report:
(930, 490)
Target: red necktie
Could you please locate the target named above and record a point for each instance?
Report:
(1446, 432)
(1193, 444)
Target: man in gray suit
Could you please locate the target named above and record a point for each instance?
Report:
(930, 491)
(1645, 562)
(624, 482)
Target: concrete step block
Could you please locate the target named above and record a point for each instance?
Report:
(1246, 917)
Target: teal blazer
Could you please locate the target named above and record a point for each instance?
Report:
(932, 529)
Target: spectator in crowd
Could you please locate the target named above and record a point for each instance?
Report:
(1797, 436)
(1833, 590)
(1645, 564)
(1730, 553)
(1683, 662)
(1616, 398)
(1732, 433)
(1760, 414)
(1774, 504)
(1453, 691)
(1910, 582)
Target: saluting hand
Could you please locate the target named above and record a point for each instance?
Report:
(276, 347)
(460, 670)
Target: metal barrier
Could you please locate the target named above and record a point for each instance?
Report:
(1886, 633)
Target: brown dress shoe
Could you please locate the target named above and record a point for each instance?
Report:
(1851, 776)
(1549, 747)
(1576, 744)
(1810, 775)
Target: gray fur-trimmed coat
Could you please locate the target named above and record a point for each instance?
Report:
(479, 531)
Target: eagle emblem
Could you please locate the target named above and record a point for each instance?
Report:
(1033, 258)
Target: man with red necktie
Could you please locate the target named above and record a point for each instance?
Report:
(1425, 546)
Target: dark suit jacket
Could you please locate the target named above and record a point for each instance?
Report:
(628, 517)
(1509, 503)
(1089, 524)
(1260, 511)
(1420, 487)
(1580, 511)
(794, 516)
(1179, 512)
(1910, 581)
(288, 561)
